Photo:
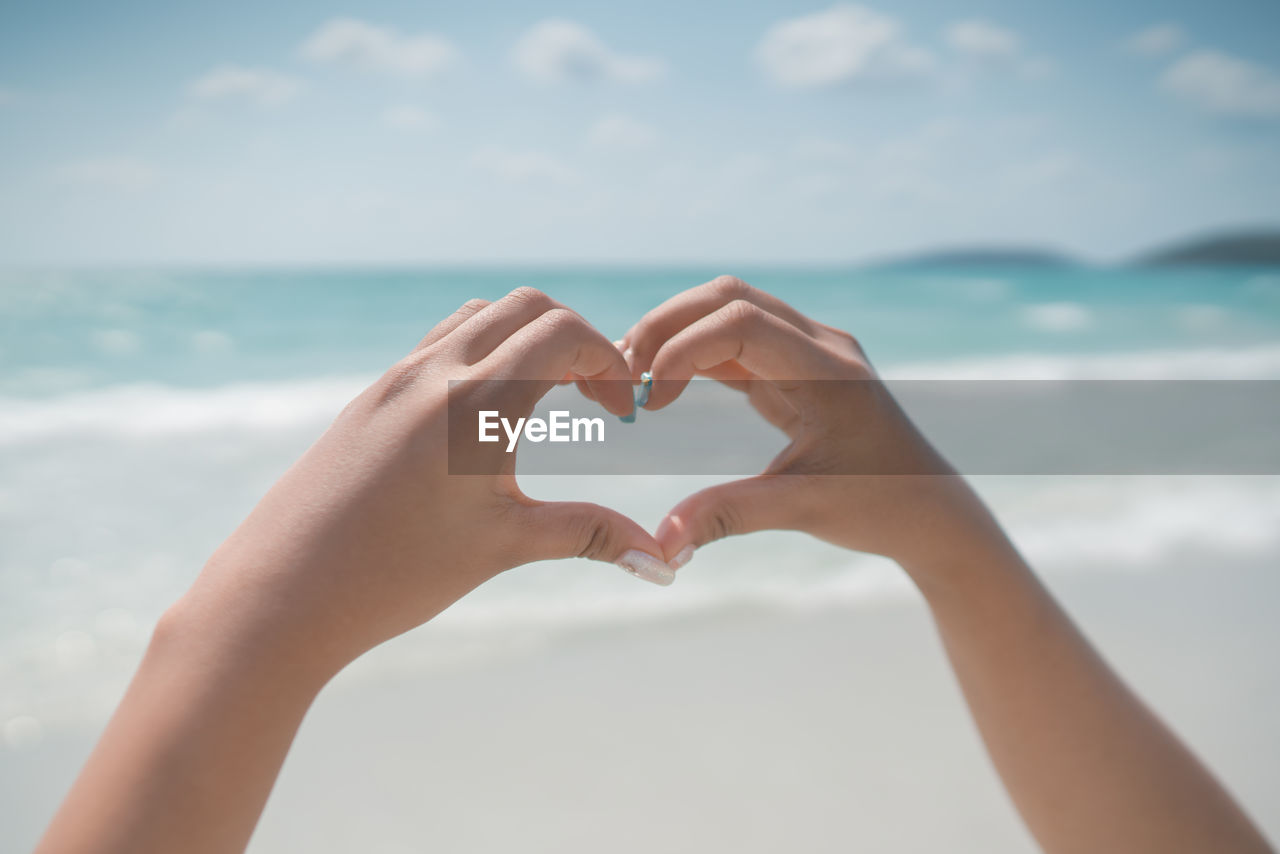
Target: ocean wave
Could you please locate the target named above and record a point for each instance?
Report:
(147, 411)
(1245, 363)
(91, 622)
(144, 411)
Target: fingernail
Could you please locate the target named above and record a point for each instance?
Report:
(646, 383)
(682, 557)
(629, 419)
(646, 566)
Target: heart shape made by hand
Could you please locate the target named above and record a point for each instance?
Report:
(856, 471)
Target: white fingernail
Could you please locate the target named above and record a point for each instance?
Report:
(683, 557)
(646, 566)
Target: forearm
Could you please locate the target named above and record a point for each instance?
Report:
(366, 537)
(191, 754)
(1088, 766)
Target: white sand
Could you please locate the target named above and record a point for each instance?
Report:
(744, 733)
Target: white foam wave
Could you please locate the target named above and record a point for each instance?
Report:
(151, 411)
(1144, 523)
(1245, 363)
(145, 411)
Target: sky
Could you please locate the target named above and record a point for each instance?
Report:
(396, 133)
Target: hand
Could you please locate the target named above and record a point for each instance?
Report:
(856, 473)
(367, 536)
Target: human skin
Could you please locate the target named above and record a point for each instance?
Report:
(1088, 766)
(368, 536)
(365, 537)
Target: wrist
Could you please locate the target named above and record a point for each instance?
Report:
(203, 633)
(960, 545)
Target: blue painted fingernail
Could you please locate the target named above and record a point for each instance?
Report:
(646, 383)
(642, 397)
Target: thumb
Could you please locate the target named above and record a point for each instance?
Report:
(738, 507)
(580, 529)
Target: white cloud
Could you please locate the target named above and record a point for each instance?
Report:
(521, 166)
(1057, 317)
(128, 174)
(983, 40)
(619, 132)
(556, 51)
(842, 44)
(408, 117)
(363, 45)
(260, 85)
(994, 46)
(1225, 85)
(1156, 40)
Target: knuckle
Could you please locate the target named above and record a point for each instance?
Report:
(596, 540)
(641, 341)
(730, 286)
(740, 313)
(531, 296)
(471, 306)
(723, 521)
(562, 320)
(398, 380)
(841, 334)
(847, 340)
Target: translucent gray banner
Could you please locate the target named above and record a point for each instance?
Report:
(1020, 427)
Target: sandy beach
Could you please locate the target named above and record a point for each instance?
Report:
(742, 731)
(266, 270)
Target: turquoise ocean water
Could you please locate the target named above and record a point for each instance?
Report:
(63, 332)
(143, 413)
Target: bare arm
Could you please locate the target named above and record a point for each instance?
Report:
(365, 537)
(1088, 766)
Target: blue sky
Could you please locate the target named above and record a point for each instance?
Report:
(487, 132)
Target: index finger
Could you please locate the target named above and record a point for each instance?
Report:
(660, 324)
(559, 342)
(742, 332)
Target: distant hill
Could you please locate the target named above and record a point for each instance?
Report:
(1261, 248)
(985, 258)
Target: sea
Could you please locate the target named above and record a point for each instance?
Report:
(144, 412)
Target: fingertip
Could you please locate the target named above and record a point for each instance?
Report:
(611, 387)
(642, 555)
(645, 566)
(663, 392)
(624, 350)
(673, 534)
(646, 386)
(614, 395)
(682, 557)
